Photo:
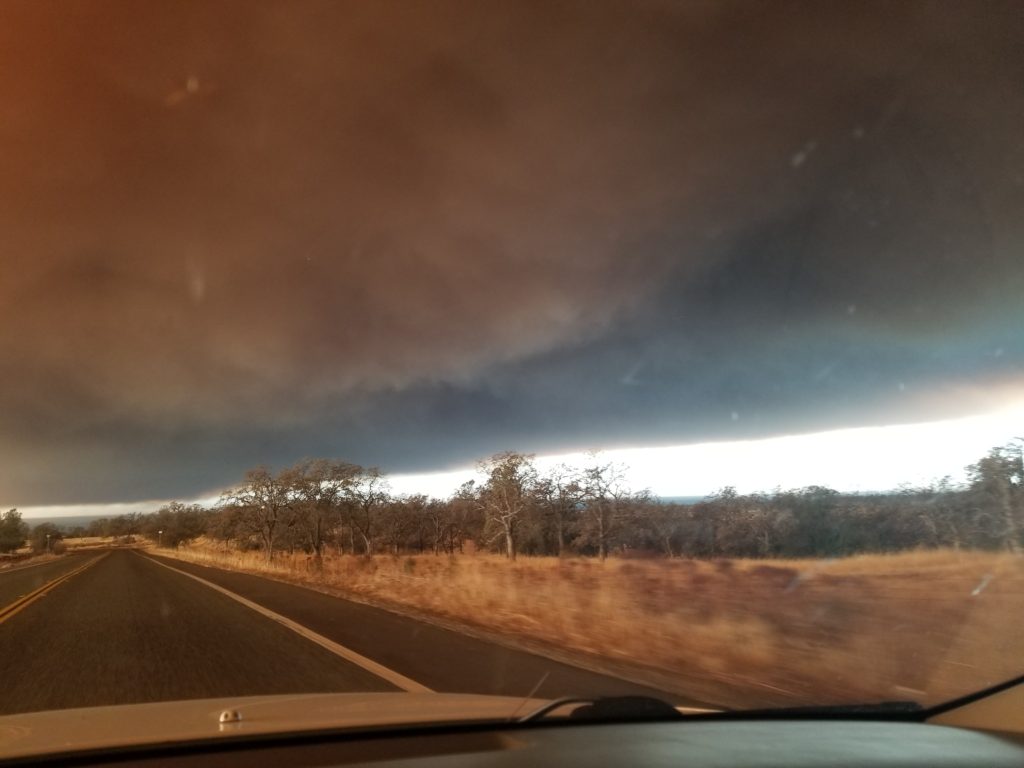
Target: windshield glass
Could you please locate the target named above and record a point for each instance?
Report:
(510, 348)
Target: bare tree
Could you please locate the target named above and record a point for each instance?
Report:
(997, 485)
(663, 522)
(441, 520)
(606, 501)
(366, 495)
(464, 520)
(507, 495)
(399, 520)
(264, 504)
(561, 494)
(316, 488)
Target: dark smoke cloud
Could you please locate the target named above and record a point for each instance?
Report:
(415, 233)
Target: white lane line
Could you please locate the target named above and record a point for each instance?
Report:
(395, 678)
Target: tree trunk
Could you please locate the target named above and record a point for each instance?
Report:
(1010, 524)
(318, 540)
(318, 557)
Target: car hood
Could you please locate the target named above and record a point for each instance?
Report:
(74, 730)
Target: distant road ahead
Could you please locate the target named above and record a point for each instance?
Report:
(124, 628)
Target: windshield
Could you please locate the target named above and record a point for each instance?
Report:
(509, 348)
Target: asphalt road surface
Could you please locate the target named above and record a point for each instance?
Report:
(123, 627)
(20, 580)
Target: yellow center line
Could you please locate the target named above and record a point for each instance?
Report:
(26, 566)
(26, 600)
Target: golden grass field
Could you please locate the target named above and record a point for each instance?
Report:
(26, 556)
(90, 542)
(927, 625)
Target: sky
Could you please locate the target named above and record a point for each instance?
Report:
(856, 460)
(413, 234)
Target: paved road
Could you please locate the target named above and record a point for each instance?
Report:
(23, 579)
(128, 629)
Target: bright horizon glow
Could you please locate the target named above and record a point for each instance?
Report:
(854, 460)
(861, 459)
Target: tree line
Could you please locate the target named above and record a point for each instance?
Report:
(15, 533)
(319, 506)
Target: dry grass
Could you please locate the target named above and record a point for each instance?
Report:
(923, 625)
(89, 542)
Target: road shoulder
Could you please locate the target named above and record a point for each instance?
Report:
(594, 674)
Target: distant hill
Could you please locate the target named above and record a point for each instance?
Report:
(64, 523)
